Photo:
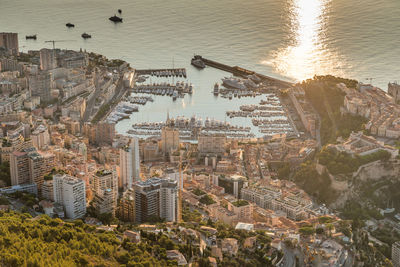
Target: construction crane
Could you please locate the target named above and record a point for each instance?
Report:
(181, 184)
(58, 41)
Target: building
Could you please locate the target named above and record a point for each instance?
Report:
(9, 42)
(175, 255)
(156, 198)
(243, 210)
(169, 200)
(29, 188)
(104, 203)
(232, 184)
(105, 188)
(40, 164)
(48, 60)
(294, 207)
(72, 59)
(132, 236)
(30, 166)
(262, 197)
(304, 109)
(396, 254)
(360, 144)
(230, 246)
(169, 139)
(394, 91)
(47, 190)
(105, 133)
(212, 144)
(126, 207)
(14, 142)
(19, 168)
(147, 200)
(41, 85)
(70, 192)
(40, 137)
(129, 164)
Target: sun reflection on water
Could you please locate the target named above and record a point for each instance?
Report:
(307, 53)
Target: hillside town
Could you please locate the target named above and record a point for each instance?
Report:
(227, 196)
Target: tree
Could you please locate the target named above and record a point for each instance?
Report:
(5, 175)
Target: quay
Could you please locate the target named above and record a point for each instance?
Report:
(179, 72)
(241, 72)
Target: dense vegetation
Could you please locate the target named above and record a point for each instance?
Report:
(240, 203)
(206, 200)
(341, 162)
(151, 251)
(101, 113)
(198, 192)
(327, 99)
(5, 176)
(24, 242)
(314, 184)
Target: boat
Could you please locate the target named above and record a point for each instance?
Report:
(254, 78)
(115, 19)
(216, 89)
(234, 83)
(33, 37)
(70, 25)
(198, 62)
(119, 11)
(250, 83)
(86, 36)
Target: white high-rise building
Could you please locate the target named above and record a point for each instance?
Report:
(129, 164)
(70, 192)
(169, 200)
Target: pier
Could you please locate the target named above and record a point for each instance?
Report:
(179, 72)
(241, 72)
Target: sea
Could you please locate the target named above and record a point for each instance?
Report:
(287, 39)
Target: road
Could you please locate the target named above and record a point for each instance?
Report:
(92, 101)
(119, 93)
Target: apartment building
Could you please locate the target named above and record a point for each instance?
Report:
(70, 192)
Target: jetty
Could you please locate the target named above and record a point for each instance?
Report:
(241, 72)
(179, 72)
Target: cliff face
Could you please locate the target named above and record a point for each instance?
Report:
(371, 182)
(377, 170)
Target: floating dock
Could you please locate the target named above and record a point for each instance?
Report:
(241, 72)
(180, 72)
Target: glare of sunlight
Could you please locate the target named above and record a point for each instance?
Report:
(306, 55)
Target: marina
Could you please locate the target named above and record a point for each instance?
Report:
(179, 89)
(255, 110)
(121, 111)
(180, 72)
(141, 100)
(186, 124)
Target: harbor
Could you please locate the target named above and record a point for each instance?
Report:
(189, 128)
(245, 105)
